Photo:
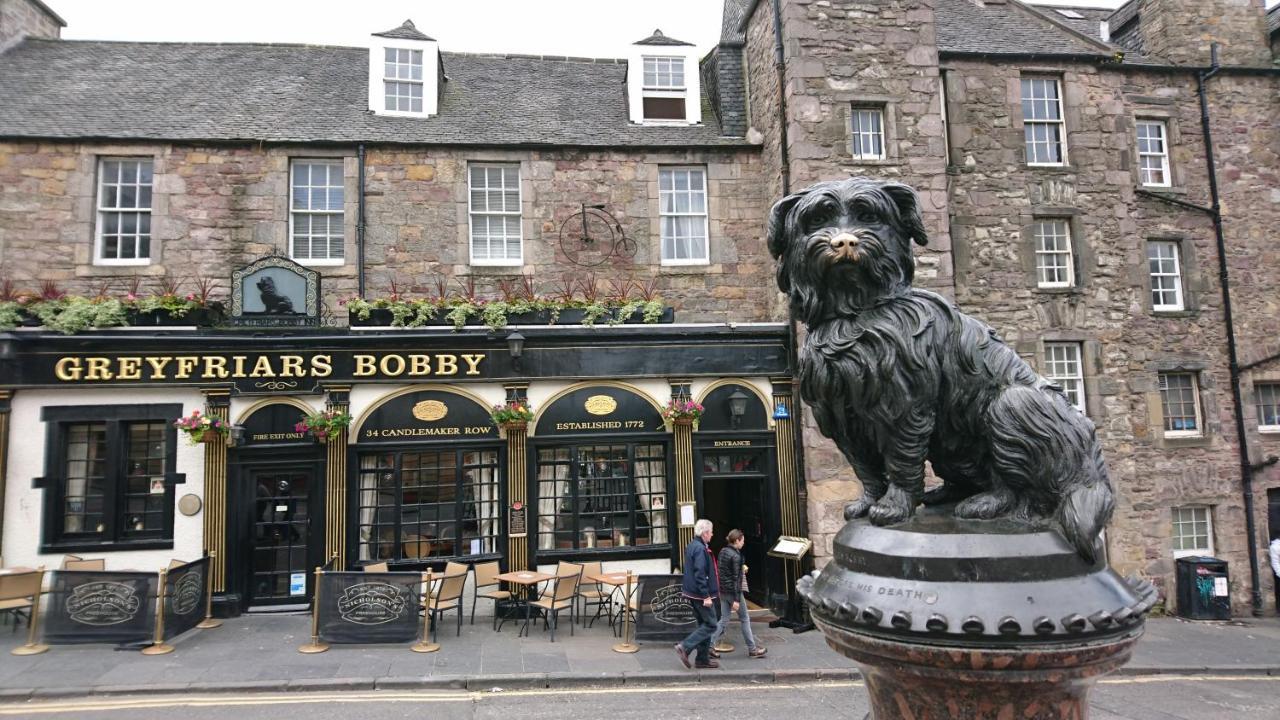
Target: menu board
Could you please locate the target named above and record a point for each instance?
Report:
(664, 613)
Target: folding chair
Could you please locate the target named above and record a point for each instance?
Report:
(563, 595)
(590, 593)
(448, 597)
(487, 576)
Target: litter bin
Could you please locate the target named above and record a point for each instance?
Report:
(1204, 590)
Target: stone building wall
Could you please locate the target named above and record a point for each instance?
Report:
(1182, 31)
(23, 18)
(217, 207)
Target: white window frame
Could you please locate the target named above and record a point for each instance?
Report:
(1273, 391)
(407, 80)
(1191, 515)
(1060, 121)
(472, 213)
(668, 90)
(705, 214)
(338, 163)
(874, 135)
(1162, 272)
(1064, 365)
(1062, 247)
(1163, 387)
(1162, 155)
(101, 211)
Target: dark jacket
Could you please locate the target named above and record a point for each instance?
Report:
(699, 571)
(730, 572)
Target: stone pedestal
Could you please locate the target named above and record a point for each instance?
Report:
(954, 619)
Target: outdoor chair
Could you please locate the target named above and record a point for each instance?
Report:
(562, 596)
(78, 564)
(378, 567)
(447, 597)
(17, 595)
(487, 577)
(591, 593)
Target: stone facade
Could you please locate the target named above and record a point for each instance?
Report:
(981, 199)
(1182, 31)
(218, 207)
(26, 18)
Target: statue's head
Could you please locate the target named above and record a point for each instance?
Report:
(843, 244)
(266, 284)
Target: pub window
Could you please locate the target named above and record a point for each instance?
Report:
(593, 496)
(494, 210)
(417, 505)
(124, 211)
(682, 195)
(111, 482)
(316, 215)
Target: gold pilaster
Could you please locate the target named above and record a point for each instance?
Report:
(338, 399)
(784, 435)
(682, 436)
(518, 482)
(6, 405)
(217, 404)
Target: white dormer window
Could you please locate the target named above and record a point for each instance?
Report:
(402, 81)
(662, 82)
(404, 73)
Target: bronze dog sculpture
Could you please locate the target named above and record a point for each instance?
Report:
(897, 376)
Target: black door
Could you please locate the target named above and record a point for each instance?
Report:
(281, 556)
(733, 485)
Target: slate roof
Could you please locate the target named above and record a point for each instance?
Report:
(406, 31)
(306, 93)
(1090, 24)
(1273, 19)
(732, 23)
(1006, 29)
(657, 38)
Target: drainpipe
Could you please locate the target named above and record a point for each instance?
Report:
(1215, 213)
(360, 221)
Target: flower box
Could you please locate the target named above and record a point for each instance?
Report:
(207, 316)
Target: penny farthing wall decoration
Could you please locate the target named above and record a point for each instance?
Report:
(592, 237)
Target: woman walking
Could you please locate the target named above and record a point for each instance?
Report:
(733, 580)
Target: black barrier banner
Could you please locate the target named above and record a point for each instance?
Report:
(664, 614)
(100, 607)
(361, 607)
(184, 593)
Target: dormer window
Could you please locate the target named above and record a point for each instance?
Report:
(404, 73)
(662, 82)
(664, 88)
(402, 82)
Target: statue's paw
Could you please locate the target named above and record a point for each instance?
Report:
(896, 506)
(987, 505)
(940, 495)
(858, 508)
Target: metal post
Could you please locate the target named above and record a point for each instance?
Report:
(315, 646)
(209, 623)
(423, 646)
(33, 624)
(158, 646)
(628, 644)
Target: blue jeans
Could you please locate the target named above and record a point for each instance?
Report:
(700, 638)
(744, 618)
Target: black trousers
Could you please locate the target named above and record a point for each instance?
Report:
(700, 638)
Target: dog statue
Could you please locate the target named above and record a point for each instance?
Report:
(897, 376)
(272, 300)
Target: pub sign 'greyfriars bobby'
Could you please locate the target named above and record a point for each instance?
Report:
(897, 376)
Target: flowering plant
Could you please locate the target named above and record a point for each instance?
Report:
(679, 410)
(511, 412)
(199, 427)
(324, 425)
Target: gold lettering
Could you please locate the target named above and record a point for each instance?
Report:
(239, 365)
(130, 368)
(389, 362)
(262, 368)
(732, 443)
(97, 368)
(597, 425)
(157, 366)
(185, 364)
(68, 369)
(365, 366)
(291, 366)
(446, 364)
(215, 366)
(473, 363)
(321, 366)
(419, 365)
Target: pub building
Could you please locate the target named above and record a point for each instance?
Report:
(422, 475)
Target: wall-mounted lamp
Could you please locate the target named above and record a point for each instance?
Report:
(737, 407)
(235, 436)
(515, 346)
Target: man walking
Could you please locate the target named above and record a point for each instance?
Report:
(700, 588)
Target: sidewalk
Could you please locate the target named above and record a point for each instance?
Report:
(259, 653)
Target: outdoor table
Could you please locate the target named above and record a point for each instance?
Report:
(16, 570)
(617, 580)
(526, 579)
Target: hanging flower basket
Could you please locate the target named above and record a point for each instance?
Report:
(202, 428)
(511, 416)
(682, 412)
(324, 426)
